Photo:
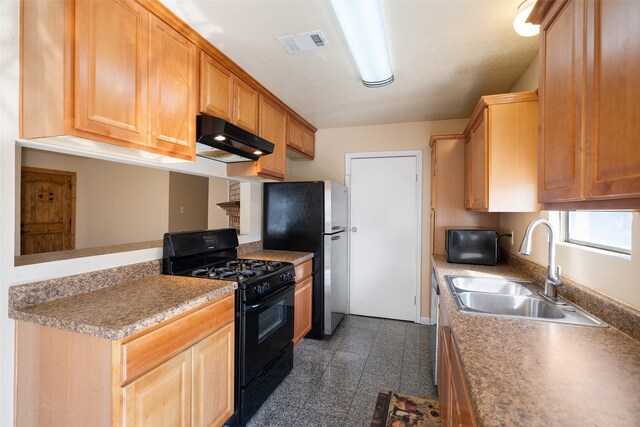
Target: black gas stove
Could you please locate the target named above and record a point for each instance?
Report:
(212, 254)
(264, 308)
(254, 277)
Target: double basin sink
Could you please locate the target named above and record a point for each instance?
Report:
(515, 299)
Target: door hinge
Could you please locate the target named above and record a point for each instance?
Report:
(414, 300)
(416, 177)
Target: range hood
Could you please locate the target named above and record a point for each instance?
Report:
(220, 140)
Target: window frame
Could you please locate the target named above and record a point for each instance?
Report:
(564, 236)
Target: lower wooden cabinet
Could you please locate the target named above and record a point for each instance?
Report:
(213, 376)
(302, 315)
(162, 396)
(303, 301)
(180, 373)
(455, 405)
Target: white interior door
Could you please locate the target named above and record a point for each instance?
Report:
(384, 237)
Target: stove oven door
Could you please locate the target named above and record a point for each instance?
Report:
(268, 329)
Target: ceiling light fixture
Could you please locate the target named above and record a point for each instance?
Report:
(363, 27)
(520, 23)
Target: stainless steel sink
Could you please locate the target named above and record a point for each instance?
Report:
(489, 285)
(515, 299)
(510, 305)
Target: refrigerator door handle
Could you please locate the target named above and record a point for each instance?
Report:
(335, 237)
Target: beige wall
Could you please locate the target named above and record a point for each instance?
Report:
(329, 163)
(115, 203)
(529, 79)
(188, 202)
(617, 276)
(218, 192)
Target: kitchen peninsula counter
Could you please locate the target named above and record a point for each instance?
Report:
(535, 373)
(119, 311)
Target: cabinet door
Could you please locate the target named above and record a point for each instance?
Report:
(468, 167)
(479, 160)
(162, 397)
(302, 311)
(213, 378)
(245, 109)
(216, 88)
(172, 91)
(111, 70)
(444, 374)
(461, 406)
(561, 103)
(613, 91)
(294, 135)
(273, 128)
(308, 143)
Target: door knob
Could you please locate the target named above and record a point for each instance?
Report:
(354, 229)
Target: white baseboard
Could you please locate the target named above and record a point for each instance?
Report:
(426, 321)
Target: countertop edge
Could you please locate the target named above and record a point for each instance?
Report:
(125, 331)
(295, 257)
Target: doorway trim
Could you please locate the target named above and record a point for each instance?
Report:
(417, 154)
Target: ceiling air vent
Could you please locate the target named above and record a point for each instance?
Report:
(303, 42)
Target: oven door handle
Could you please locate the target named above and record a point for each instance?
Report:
(254, 307)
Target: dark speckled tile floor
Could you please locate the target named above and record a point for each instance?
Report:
(335, 382)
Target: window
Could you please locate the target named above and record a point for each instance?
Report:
(608, 230)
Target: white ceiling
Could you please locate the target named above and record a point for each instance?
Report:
(445, 54)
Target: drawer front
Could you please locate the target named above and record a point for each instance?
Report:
(150, 350)
(303, 270)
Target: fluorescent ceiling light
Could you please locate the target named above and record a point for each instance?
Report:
(520, 23)
(363, 27)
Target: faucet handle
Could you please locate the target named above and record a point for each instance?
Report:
(558, 277)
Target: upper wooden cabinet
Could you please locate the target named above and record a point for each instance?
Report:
(131, 73)
(500, 154)
(111, 69)
(273, 128)
(447, 190)
(300, 139)
(246, 104)
(173, 71)
(589, 63)
(216, 88)
(119, 76)
(224, 95)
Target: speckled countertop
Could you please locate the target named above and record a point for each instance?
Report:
(533, 373)
(284, 256)
(122, 310)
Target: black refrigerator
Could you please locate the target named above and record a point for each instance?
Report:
(312, 217)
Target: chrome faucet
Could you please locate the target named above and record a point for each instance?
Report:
(553, 280)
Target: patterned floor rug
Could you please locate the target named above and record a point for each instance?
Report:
(402, 410)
